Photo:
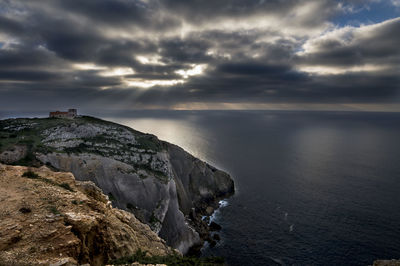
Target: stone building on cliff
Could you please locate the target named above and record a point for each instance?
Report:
(71, 113)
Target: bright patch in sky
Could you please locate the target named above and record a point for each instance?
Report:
(119, 71)
(88, 66)
(142, 83)
(194, 71)
(325, 70)
(150, 60)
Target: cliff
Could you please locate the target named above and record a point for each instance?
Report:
(160, 183)
(49, 218)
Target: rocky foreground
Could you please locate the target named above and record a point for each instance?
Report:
(48, 218)
(386, 263)
(160, 183)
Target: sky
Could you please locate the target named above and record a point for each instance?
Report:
(200, 54)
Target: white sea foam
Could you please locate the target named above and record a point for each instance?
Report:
(291, 228)
(223, 203)
(214, 216)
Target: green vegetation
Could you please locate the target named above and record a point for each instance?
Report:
(158, 174)
(28, 133)
(81, 148)
(149, 142)
(19, 132)
(28, 160)
(53, 210)
(153, 219)
(170, 260)
(66, 186)
(111, 196)
(25, 132)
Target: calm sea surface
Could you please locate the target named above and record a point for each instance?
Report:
(313, 188)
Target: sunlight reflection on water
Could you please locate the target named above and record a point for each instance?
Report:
(184, 133)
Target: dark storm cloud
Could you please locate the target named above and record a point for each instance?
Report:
(252, 69)
(115, 12)
(198, 10)
(178, 50)
(10, 26)
(268, 87)
(22, 57)
(128, 13)
(43, 76)
(103, 52)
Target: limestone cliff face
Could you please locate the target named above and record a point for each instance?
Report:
(160, 183)
(53, 219)
(151, 200)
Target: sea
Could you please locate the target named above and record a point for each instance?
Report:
(312, 188)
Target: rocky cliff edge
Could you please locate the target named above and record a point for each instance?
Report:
(49, 218)
(160, 183)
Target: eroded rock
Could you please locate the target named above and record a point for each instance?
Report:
(65, 227)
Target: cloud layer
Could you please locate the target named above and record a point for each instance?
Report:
(127, 54)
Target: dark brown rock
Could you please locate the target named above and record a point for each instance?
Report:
(215, 227)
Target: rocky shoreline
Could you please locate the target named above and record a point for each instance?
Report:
(208, 229)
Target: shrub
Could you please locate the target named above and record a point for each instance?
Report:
(111, 196)
(30, 174)
(66, 186)
(153, 219)
(174, 259)
(15, 239)
(149, 142)
(28, 160)
(53, 210)
(43, 149)
(25, 210)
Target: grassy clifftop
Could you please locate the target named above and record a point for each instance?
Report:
(21, 139)
(32, 131)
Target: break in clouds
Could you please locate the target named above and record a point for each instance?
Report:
(128, 54)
